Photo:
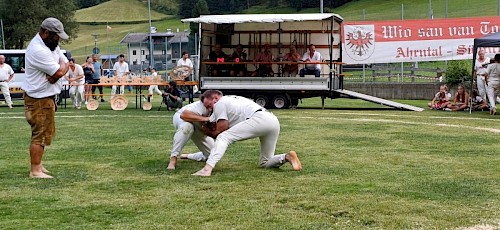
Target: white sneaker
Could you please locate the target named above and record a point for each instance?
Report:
(85, 102)
(447, 109)
(10, 106)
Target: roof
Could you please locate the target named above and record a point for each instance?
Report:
(109, 56)
(144, 37)
(491, 40)
(181, 36)
(260, 18)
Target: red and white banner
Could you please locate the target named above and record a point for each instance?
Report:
(414, 40)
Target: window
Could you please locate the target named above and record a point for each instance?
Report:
(134, 52)
(163, 52)
(142, 52)
(16, 61)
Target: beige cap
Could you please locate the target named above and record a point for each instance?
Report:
(56, 26)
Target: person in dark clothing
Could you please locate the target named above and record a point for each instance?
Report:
(172, 96)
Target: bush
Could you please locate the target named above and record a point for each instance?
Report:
(458, 73)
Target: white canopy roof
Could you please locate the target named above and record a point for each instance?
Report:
(260, 18)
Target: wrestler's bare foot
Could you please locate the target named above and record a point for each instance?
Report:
(294, 160)
(40, 175)
(172, 163)
(205, 171)
(184, 156)
(44, 170)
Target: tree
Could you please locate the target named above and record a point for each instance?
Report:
(201, 7)
(22, 19)
(186, 8)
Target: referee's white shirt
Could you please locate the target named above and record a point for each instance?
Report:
(40, 63)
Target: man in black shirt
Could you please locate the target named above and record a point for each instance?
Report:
(172, 97)
(216, 55)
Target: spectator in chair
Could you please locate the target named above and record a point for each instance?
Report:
(213, 56)
(172, 96)
(311, 56)
(291, 70)
(264, 56)
(238, 69)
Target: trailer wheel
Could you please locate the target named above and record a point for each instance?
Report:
(280, 102)
(261, 100)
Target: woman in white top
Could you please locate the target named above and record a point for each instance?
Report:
(492, 77)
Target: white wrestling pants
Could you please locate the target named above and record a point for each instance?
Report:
(154, 88)
(187, 130)
(492, 90)
(4, 86)
(76, 93)
(263, 125)
(481, 86)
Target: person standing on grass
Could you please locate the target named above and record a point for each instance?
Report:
(187, 126)
(492, 78)
(88, 71)
(6, 74)
(480, 66)
(238, 118)
(45, 65)
(121, 70)
(153, 88)
(96, 78)
(75, 78)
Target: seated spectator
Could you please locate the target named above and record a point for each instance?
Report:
(478, 103)
(311, 56)
(264, 56)
(441, 99)
(172, 96)
(291, 70)
(460, 100)
(239, 55)
(217, 53)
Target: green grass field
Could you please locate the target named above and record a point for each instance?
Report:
(363, 168)
(118, 11)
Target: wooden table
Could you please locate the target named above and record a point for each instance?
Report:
(138, 89)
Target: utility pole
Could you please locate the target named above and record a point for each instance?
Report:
(3, 35)
(151, 47)
(321, 6)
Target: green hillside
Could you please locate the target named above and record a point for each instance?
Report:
(117, 11)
